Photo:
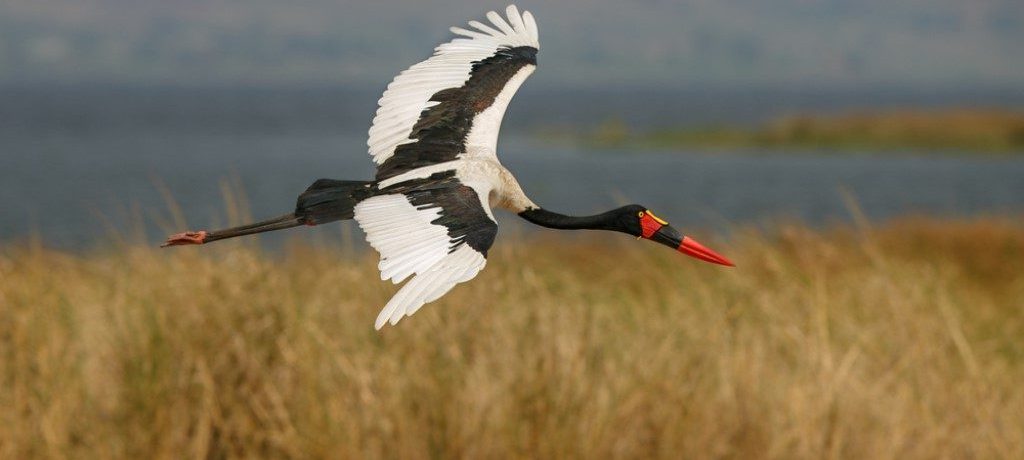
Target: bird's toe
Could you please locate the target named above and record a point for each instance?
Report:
(185, 238)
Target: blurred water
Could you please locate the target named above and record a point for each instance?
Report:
(70, 171)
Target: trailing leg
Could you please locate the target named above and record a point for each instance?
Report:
(327, 200)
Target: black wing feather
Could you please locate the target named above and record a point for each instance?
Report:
(440, 133)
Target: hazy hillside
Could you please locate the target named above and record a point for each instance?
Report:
(585, 42)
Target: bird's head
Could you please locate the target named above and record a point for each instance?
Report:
(640, 222)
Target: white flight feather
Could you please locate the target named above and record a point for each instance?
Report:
(459, 266)
(409, 245)
(450, 66)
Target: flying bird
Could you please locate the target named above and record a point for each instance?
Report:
(434, 140)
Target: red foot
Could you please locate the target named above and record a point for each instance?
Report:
(185, 238)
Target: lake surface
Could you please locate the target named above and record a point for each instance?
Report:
(73, 165)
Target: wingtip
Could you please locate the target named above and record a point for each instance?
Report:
(531, 27)
(498, 21)
(383, 319)
(379, 323)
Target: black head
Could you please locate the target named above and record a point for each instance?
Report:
(640, 222)
(627, 219)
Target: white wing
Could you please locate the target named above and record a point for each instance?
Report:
(459, 266)
(440, 233)
(451, 66)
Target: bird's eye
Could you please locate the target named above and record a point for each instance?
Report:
(640, 214)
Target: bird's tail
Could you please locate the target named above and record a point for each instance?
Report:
(327, 200)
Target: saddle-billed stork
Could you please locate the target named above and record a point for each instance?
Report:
(434, 139)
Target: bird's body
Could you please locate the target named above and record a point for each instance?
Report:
(434, 140)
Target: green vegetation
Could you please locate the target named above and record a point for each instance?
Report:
(902, 341)
(951, 130)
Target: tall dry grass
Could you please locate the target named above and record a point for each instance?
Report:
(904, 341)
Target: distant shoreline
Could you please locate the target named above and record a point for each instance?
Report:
(954, 131)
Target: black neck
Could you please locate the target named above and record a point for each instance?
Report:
(545, 218)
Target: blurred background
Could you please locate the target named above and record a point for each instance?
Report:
(860, 161)
(711, 112)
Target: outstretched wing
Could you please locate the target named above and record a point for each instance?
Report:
(453, 102)
(437, 229)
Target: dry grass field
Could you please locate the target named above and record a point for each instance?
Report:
(901, 341)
